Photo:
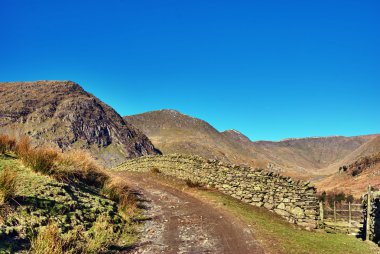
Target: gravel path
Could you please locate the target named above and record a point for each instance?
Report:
(181, 223)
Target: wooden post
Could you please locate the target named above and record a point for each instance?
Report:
(349, 217)
(321, 215)
(368, 224)
(335, 214)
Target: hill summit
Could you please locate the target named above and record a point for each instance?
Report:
(63, 114)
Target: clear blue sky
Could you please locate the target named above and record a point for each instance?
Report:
(270, 69)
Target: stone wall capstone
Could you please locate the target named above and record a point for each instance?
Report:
(296, 201)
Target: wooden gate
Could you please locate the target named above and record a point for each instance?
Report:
(356, 219)
(344, 218)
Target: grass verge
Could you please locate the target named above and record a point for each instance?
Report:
(279, 236)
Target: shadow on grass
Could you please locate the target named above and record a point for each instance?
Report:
(7, 156)
(51, 207)
(41, 203)
(126, 249)
(12, 244)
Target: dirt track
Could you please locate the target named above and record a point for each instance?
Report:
(181, 223)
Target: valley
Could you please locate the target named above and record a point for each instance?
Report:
(163, 181)
(305, 158)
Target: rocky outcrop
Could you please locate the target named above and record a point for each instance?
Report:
(63, 114)
(294, 200)
(362, 164)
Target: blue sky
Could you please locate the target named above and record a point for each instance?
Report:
(270, 69)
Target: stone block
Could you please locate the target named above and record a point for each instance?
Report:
(268, 206)
(281, 206)
(282, 212)
(298, 212)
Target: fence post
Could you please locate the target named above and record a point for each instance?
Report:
(321, 215)
(368, 224)
(349, 217)
(334, 214)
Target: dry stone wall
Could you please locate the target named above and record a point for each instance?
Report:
(296, 201)
(374, 233)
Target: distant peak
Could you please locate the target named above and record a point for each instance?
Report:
(172, 111)
(236, 133)
(304, 138)
(46, 85)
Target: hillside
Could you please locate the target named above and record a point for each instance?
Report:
(63, 114)
(355, 177)
(369, 148)
(313, 153)
(52, 202)
(173, 132)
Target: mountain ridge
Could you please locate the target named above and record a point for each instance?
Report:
(297, 156)
(65, 115)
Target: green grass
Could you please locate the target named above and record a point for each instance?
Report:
(279, 236)
(41, 199)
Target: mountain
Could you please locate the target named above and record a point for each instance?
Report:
(173, 132)
(236, 136)
(64, 115)
(370, 147)
(355, 177)
(317, 153)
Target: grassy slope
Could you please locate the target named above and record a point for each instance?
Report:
(41, 198)
(276, 235)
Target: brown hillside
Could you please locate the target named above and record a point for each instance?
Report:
(355, 177)
(173, 132)
(312, 153)
(63, 114)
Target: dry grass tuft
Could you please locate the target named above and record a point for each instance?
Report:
(117, 190)
(48, 240)
(80, 166)
(102, 235)
(69, 167)
(7, 144)
(8, 185)
(23, 146)
(40, 160)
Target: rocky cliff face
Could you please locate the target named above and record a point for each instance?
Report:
(63, 114)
